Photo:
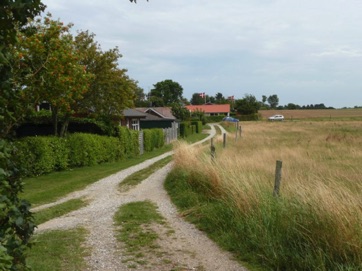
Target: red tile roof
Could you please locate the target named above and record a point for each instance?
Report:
(210, 108)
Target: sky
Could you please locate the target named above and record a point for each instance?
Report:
(306, 52)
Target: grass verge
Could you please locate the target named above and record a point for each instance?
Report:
(135, 222)
(58, 210)
(48, 188)
(58, 251)
(143, 174)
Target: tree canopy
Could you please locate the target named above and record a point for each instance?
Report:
(197, 99)
(17, 224)
(110, 89)
(273, 101)
(247, 105)
(165, 93)
(48, 68)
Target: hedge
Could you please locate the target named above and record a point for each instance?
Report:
(129, 143)
(153, 138)
(44, 154)
(188, 128)
(198, 125)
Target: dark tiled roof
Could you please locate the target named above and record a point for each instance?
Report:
(133, 113)
(162, 112)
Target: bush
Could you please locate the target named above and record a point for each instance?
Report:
(16, 220)
(36, 155)
(211, 119)
(185, 129)
(40, 155)
(153, 138)
(129, 142)
(198, 125)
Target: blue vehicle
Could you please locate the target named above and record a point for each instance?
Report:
(230, 119)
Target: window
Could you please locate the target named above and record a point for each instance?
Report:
(135, 124)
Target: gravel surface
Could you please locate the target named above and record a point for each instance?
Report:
(185, 249)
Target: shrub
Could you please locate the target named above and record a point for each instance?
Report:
(36, 155)
(88, 150)
(198, 125)
(129, 142)
(153, 138)
(210, 119)
(17, 223)
(185, 129)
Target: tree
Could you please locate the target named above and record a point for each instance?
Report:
(247, 105)
(54, 73)
(197, 99)
(15, 218)
(264, 98)
(273, 101)
(180, 112)
(140, 98)
(110, 90)
(166, 93)
(220, 99)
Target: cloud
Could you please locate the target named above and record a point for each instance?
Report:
(230, 46)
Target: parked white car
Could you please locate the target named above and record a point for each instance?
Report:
(276, 117)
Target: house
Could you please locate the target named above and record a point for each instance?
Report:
(211, 109)
(157, 117)
(131, 118)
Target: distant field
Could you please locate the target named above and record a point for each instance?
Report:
(318, 113)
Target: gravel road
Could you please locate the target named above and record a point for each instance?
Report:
(186, 248)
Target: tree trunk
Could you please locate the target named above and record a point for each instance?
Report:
(55, 120)
(65, 124)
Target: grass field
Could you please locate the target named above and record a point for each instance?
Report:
(315, 224)
(333, 114)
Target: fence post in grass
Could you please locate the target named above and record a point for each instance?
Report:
(224, 140)
(213, 149)
(240, 131)
(278, 178)
(236, 132)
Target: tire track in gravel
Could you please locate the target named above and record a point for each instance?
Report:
(105, 199)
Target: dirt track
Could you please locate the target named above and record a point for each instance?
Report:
(185, 249)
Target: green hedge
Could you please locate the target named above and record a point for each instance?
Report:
(185, 129)
(45, 154)
(198, 125)
(36, 155)
(211, 119)
(129, 142)
(153, 138)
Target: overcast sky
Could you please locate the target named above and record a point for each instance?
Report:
(306, 52)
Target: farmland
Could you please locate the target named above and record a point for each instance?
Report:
(315, 114)
(315, 223)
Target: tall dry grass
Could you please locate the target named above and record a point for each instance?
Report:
(319, 213)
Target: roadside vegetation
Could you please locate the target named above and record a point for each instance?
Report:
(137, 177)
(58, 210)
(315, 223)
(47, 188)
(135, 231)
(58, 251)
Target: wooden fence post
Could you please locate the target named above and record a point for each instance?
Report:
(213, 149)
(240, 131)
(237, 128)
(224, 140)
(278, 178)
